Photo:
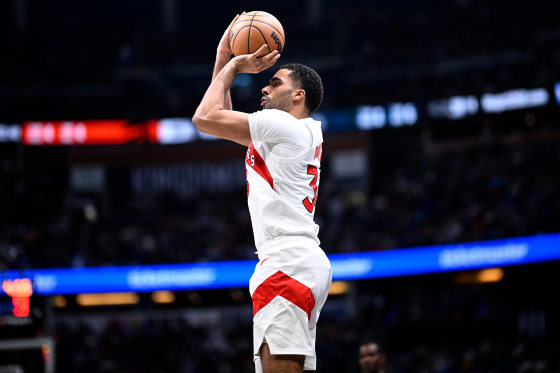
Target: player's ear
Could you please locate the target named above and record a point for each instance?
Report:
(298, 94)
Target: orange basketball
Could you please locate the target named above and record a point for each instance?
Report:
(253, 29)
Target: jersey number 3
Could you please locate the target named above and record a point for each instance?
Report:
(310, 204)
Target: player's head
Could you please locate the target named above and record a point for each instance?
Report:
(372, 357)
(294, 84)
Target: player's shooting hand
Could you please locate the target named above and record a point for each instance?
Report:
(253, 64)
(224, 47)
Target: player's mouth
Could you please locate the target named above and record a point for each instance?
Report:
(263, 101)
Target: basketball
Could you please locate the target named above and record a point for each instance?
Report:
(252, 30)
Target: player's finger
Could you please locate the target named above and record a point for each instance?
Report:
(261, 49)
(270, 62)
(271, 55)
(274, 59)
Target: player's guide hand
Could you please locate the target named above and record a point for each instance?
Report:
(252, 64)
(224, 46)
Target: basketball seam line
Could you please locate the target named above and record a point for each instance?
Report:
(249, 37)
(264, 38)
(266, 23)
(236, 35)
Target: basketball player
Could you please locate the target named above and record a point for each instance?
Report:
(372, 358)
(293, 276)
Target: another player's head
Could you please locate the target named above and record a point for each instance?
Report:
(372, 357)
(294, 84)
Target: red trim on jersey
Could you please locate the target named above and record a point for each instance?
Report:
(258, 164)
(280, 284)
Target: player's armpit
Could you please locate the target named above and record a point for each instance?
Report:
(225, 124)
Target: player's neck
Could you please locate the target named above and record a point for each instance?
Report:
(298, 112)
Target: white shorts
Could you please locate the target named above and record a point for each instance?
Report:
(289, 287)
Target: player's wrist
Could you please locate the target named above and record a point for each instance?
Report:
(234, 63)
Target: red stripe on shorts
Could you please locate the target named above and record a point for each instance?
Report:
(280, 284)
(255, 161)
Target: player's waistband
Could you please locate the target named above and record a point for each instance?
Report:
(276, 245)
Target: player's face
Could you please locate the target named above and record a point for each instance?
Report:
(278, 93)
(371, 360)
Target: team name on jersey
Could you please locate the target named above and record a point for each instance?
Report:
(318, 153)
(256, 162)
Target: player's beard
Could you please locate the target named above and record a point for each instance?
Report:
(282, 102)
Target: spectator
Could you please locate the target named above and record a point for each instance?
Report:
(372, 357)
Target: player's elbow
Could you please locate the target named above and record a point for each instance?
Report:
(201, 122)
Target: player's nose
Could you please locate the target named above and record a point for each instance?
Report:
(265, 91)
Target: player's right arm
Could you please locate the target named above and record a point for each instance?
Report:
(212, 117)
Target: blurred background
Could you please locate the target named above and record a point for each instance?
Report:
(442, 135)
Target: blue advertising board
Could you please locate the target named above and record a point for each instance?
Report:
(355, 266)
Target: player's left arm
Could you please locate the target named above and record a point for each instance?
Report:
(223, 55)
(212, 116)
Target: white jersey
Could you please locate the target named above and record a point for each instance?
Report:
(283, 165)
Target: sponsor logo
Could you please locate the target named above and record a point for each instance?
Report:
(457, 257)
(277, 41)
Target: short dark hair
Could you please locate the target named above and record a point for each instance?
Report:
(380, 348)
(307, 79)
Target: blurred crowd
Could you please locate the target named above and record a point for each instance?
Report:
(470, 194)
(505, 187)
